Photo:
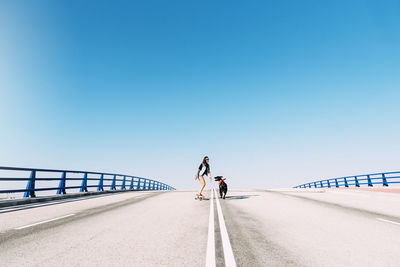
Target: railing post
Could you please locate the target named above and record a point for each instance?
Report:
(154, 185)
(123, 184)
(329, 184)
(320, 182)
(345, 182)
(356, 181)
(84, 183)
(336, 183)
(131, 187)
(369, 181)
(100, 187)
(30, 187)
(112, 187)
(384, 181)
(138, 185)
(61, 185)
(315, 185)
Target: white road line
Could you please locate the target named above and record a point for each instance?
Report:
(384, 220)
(226, 244)
(140, 196)
(210, 259)
(33, 224)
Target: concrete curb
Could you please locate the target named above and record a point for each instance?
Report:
(23, 201)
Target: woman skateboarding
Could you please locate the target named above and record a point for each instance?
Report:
(204, 170)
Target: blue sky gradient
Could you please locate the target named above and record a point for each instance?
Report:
(276, 93)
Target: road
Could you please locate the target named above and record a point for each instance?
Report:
(263, 228)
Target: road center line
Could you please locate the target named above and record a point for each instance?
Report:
(210, 258)
(388, 221)
(46, 221)
(226, 244)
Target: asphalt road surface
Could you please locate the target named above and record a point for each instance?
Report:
(248, 228)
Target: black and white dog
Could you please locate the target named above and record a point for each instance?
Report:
(223, 187)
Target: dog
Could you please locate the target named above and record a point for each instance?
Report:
(223, 187)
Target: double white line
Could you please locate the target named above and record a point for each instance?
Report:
(226, 244)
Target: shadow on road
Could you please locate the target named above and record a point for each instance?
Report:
(240, 197)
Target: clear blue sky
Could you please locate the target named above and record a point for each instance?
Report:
(276, 93)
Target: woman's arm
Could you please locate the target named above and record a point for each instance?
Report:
(209, 175)
(197, 175)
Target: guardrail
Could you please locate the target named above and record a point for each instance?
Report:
(80, 181)
(384, 179)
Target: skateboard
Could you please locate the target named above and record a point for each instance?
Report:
(199, 197)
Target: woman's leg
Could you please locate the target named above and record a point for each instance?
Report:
(203, 184)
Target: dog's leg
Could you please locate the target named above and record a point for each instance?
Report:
(225, 191)
(220, 192)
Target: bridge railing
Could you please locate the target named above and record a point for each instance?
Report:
(30, 181)
(382, 179)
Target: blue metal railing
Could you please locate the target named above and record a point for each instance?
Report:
(383, 178)
(85, 180)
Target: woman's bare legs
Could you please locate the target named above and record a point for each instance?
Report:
(203, 184)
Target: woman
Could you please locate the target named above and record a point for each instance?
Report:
(204, 169)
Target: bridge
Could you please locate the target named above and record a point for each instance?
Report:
(160, 226)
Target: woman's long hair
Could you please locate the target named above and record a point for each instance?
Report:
(204, 160)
